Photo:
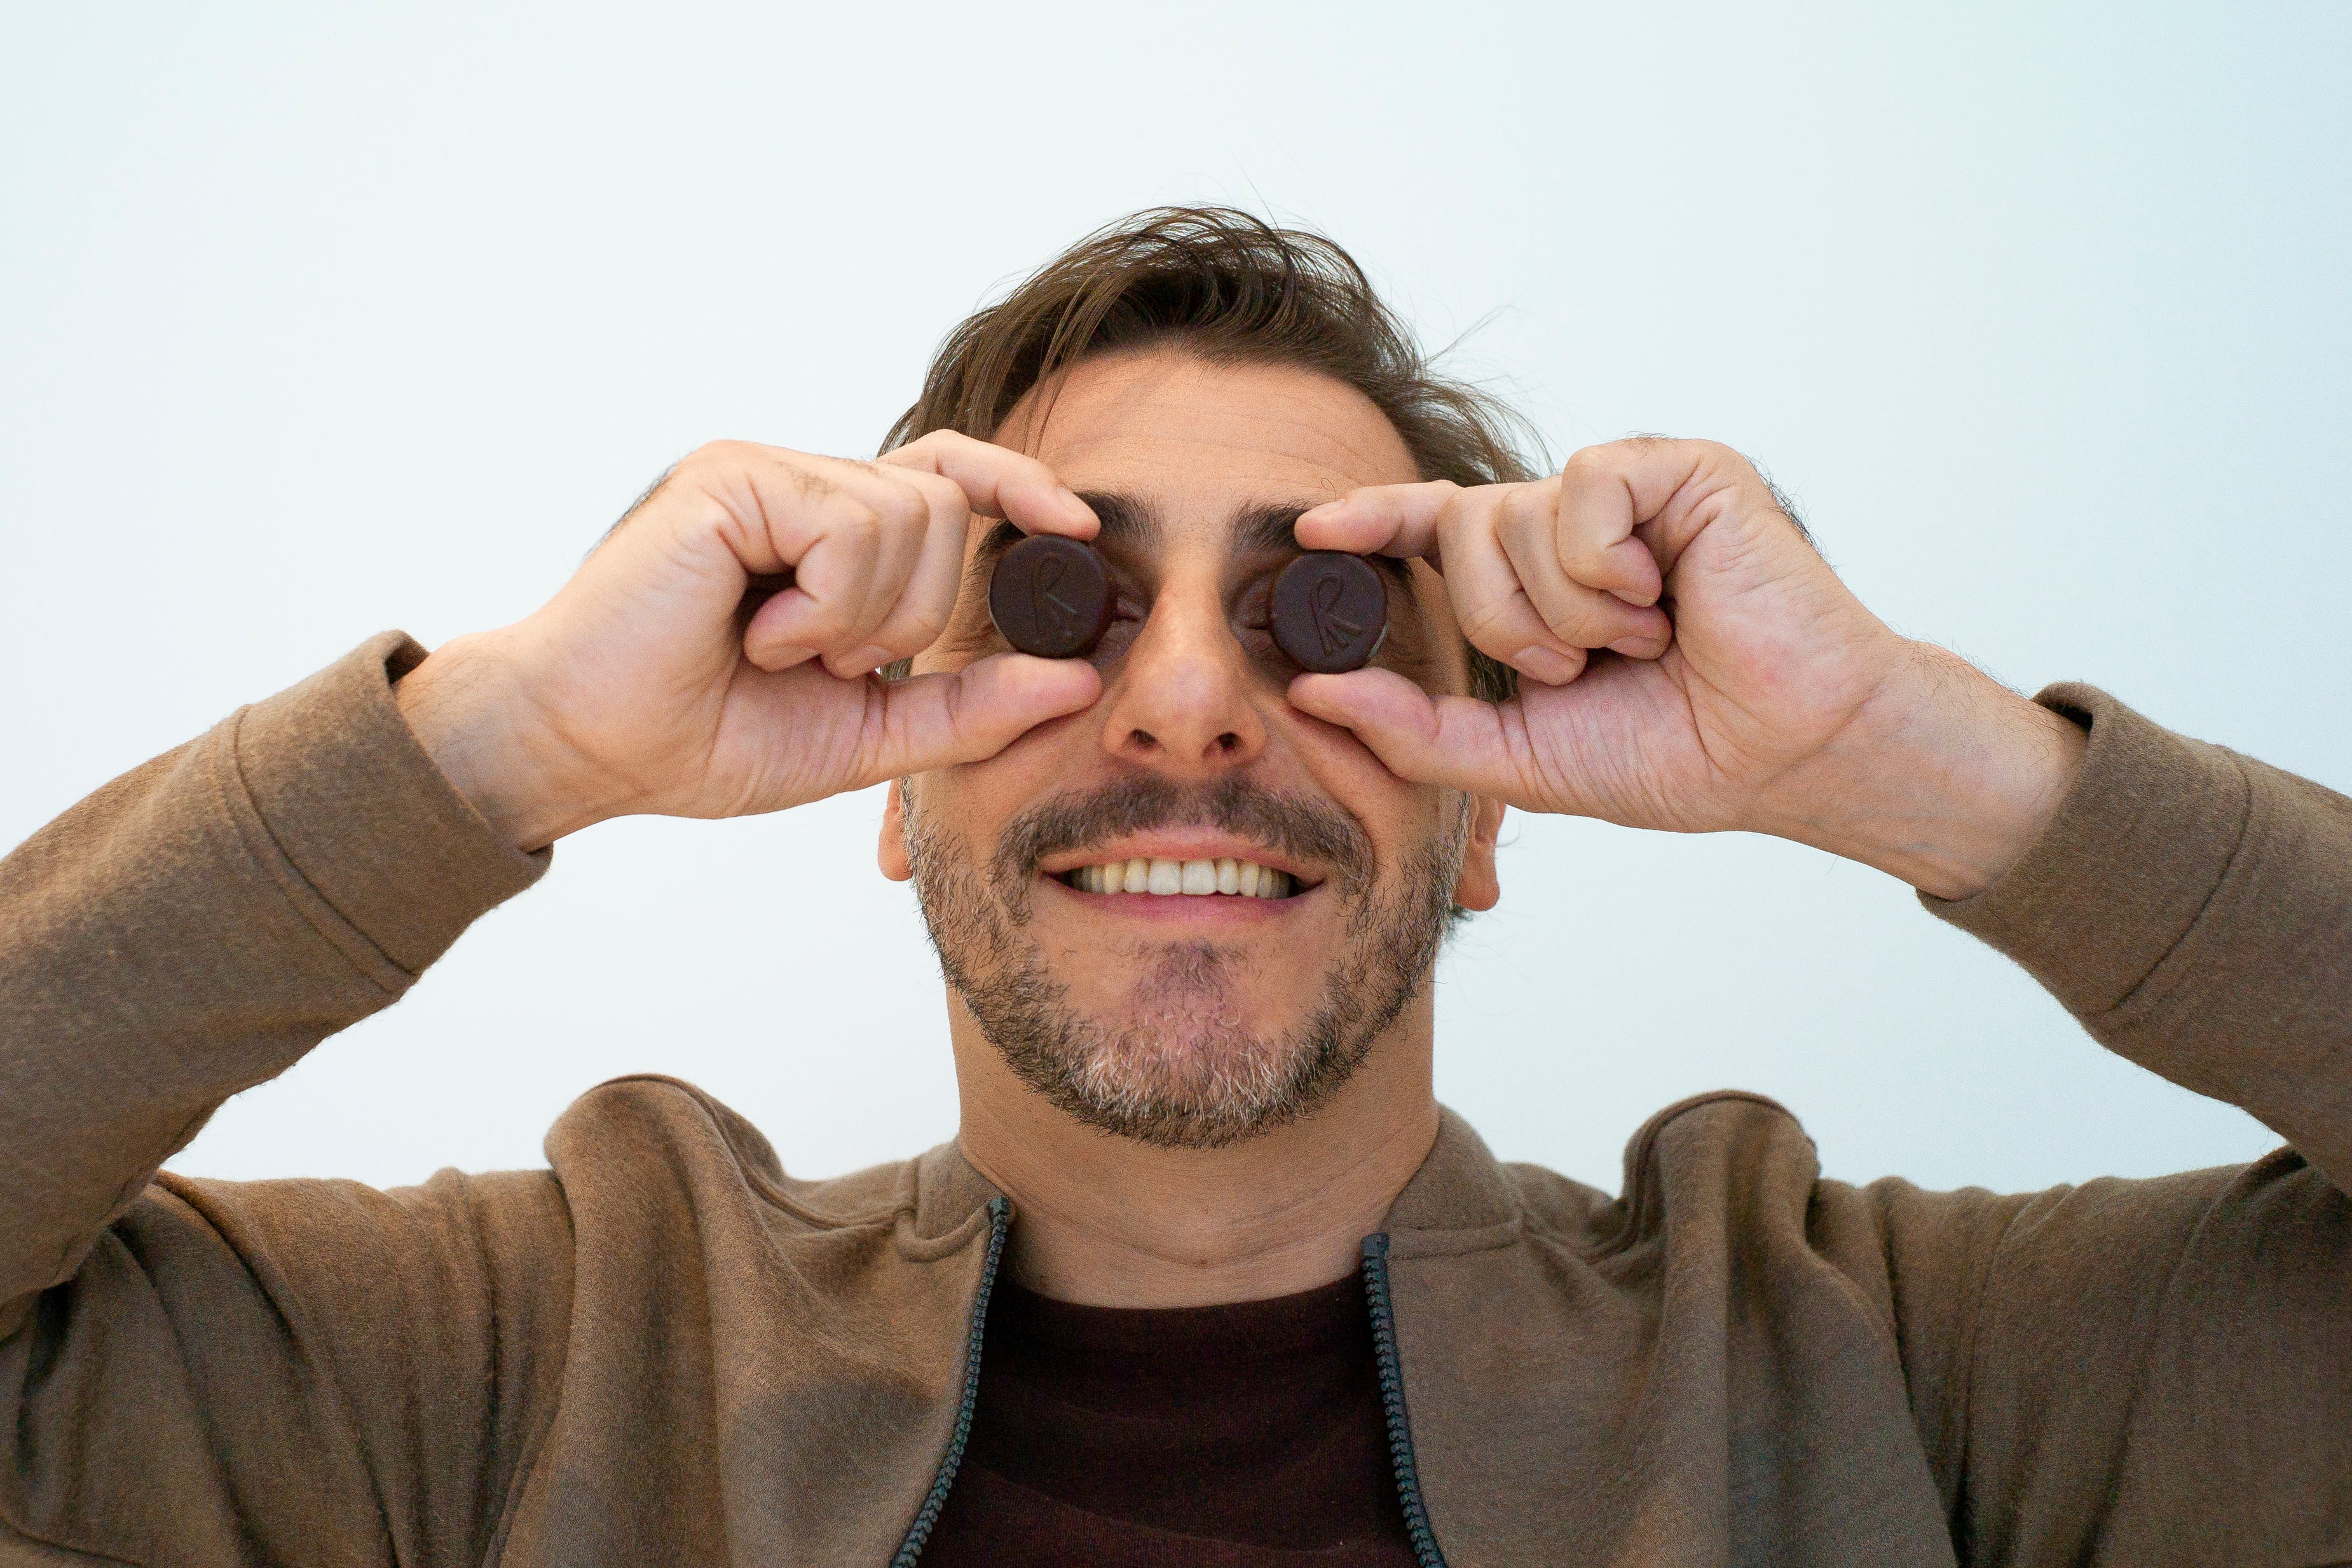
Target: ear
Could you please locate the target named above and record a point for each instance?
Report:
(891, 852)
(1479, 888)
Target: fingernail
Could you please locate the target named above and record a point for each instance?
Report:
(1638, 647)
(1554, 669)
(1070, 499)
(863, 662)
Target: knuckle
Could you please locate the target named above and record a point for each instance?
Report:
(809, 486)
(905, 511)
(1715, 458)
(1524, 507)
(1483, 622)
(1567, 619)
(1578, 549)
(923, 625)
(1463, 512)
(828, 619)
(711, 457)
(938, 493)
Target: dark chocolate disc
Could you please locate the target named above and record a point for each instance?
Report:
(1050, 596)
(1330, 610)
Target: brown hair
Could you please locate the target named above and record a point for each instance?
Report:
(1231, 289)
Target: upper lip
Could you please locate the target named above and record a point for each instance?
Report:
(1178, 844)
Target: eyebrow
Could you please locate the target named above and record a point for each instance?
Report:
(1125, 522)
(1131, 524)
(1266, 531)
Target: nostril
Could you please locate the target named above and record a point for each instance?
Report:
(1141, 739)
(1229, 743)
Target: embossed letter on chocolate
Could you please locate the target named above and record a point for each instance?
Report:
(1330, 610)
(1050, 596)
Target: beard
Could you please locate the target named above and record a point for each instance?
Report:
(1180, 1066)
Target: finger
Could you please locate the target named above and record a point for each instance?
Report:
(929, 599)
(1592, 530)
(850, 565)
(834, 540)
(908, 510)
(1584, 616)
(1000, 483)
(936, 721)
(1669, 491)
(1459, 743)
(1380, 519)
(1490, 604)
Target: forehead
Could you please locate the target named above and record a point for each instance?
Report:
(1202, 442)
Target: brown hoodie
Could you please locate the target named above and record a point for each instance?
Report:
(664, 1350)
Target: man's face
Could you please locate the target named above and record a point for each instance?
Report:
(1193, 1020)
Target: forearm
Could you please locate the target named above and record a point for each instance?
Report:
(1944, 779)
(194, 927)
(2193, 909)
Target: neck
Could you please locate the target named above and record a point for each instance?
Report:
(1107, 1221)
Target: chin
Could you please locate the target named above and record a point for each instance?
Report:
(1181, 1062)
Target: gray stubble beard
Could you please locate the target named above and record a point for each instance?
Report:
(1182, 1069)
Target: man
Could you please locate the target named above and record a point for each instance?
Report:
(1207, 1277)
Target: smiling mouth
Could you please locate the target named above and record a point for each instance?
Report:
(1174, 878)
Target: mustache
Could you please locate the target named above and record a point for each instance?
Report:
(1313, 831)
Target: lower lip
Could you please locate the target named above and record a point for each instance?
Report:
(1220, 907)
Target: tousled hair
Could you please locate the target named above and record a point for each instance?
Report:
(1230, 289)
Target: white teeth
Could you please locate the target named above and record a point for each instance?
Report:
(1246, 879)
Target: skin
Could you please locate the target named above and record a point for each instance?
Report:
(1192, 695)
(1748, 690)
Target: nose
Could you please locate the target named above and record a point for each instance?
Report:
(1181, 702)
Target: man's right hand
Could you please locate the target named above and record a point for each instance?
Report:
(637, 688)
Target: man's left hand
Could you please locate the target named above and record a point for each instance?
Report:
(1748, 688)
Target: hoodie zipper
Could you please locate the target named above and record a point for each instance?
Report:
(1384, 1346)
(1000, 1219)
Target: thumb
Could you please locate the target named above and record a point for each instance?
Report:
(934, 721)
(1458, 742)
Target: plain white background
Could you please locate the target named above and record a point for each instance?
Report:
(317, 321)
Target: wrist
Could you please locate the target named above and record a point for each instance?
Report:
(1943, 780)
(474, 716)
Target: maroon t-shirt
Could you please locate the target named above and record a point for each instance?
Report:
(1248, 1436)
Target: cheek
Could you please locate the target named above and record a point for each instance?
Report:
(976, 801)
(1399, 816)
